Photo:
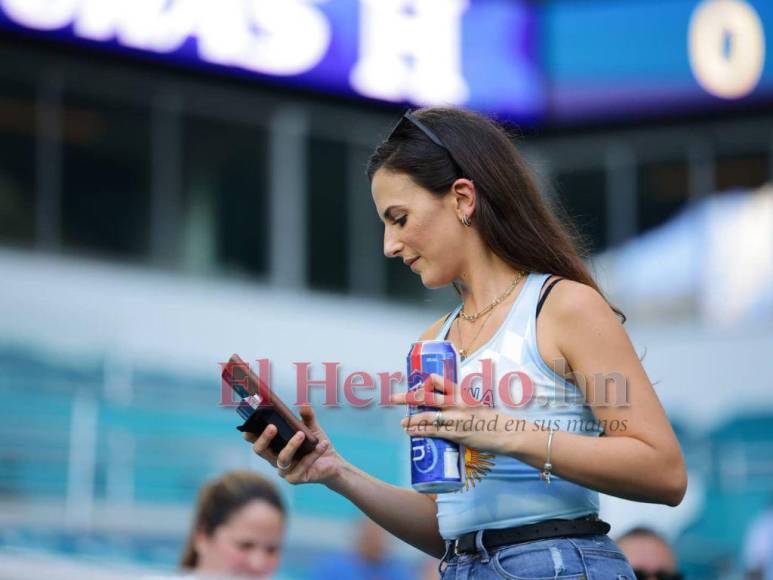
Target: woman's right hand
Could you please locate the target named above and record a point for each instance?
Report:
(322, 465)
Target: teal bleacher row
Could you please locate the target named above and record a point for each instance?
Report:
(35, 430)
(173, 421)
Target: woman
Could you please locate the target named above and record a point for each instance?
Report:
(459, 207)
(237, 529)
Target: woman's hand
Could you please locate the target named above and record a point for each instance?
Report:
(464, 420)
(322, 465)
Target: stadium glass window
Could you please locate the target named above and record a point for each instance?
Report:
(17, 163)
(583, 196)
(225, 198)
(328, 215)
(741, 171)
(662, 190)
(106, 173)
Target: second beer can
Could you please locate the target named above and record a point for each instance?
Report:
(437, 465)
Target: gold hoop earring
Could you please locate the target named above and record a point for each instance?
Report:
(465, 221)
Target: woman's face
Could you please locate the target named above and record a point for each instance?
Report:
(419, 227)
(249, 543)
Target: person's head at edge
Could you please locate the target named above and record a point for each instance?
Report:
(238, 527)
(648, 553)
(426, 196)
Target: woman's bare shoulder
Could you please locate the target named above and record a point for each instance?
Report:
(574, 315)
(570, 300)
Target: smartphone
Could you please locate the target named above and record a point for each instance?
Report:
(259, 407)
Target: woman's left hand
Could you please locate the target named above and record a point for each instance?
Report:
(463, 419)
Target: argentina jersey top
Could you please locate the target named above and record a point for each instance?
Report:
(501, 491)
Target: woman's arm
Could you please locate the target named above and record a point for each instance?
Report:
(640, 460)
(407, 514)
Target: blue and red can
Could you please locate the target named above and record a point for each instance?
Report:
(437, 465)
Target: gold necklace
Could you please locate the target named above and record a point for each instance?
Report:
(463, 351)
(498, 300)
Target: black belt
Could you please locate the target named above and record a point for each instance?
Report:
(465, 544)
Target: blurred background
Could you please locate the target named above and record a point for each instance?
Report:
(183, 180)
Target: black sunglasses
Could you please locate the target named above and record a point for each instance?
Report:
(430, 134)
(657, 575)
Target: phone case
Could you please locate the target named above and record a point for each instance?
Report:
(270, 410)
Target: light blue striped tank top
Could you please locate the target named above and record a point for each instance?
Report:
(501, 491)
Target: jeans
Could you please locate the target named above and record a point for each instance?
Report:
(570, 558)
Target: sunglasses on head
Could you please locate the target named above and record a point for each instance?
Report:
(430, 134)
(657, 575)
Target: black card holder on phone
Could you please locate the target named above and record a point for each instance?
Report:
(259, 408)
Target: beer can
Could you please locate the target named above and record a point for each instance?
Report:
(437, 465)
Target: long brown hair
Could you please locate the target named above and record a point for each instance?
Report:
(221, 498)
(511, 215)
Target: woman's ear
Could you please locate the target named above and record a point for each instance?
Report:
(465, 197)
